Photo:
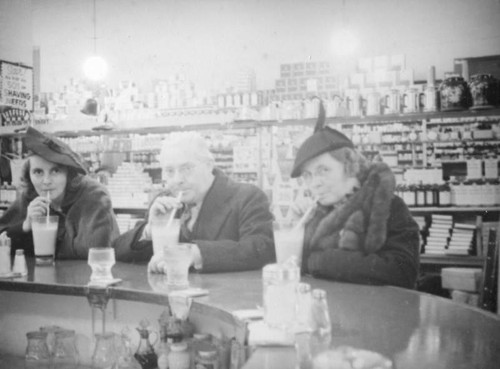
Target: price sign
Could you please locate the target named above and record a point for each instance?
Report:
(16, 86)
(16, 96)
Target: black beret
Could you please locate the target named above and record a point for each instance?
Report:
(323, 140)
(53, 150)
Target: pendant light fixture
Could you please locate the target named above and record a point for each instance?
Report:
(344, 42)
(95, 67)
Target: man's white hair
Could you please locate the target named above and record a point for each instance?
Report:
(189, 142)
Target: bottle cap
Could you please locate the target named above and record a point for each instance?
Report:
(304, 287)
(319, 294)
(206, 350)
(180, 346)
(201, 336)
(37, 334)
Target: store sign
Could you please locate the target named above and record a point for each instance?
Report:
(16, 86)
(16, 96)
(12, 119)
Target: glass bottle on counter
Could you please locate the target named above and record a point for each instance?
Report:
(145, 353)
(125, 356)
(4, 254)
(37, 352)
(280, 283)
(65, 351)
(164, 346)
(105, 354)
(206, 356)
(321, 324)
(178, 357)
(198, 340)
(304, 302)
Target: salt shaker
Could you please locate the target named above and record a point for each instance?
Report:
(304, 302)
(20, 266)
(4, 254)
(321, 325)
(320, 313)
(280, 283)
(65, 352)
(178, 357)
(37, 352)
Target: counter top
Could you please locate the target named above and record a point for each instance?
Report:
(415, 330)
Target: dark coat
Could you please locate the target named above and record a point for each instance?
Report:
(86, 220)
(233, 230)
(371, 238)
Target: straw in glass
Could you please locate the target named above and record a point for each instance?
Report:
(304, 217)
(48, 206)
(172, 214)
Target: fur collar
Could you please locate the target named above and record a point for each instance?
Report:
(364, 216)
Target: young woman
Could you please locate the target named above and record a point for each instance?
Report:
(54, 179)
(359, 231)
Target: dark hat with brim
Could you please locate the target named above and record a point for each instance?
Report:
(323, 140)
(53, 150)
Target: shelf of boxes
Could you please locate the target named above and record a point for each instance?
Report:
(128, 186)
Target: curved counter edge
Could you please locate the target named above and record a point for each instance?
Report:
(414, 329)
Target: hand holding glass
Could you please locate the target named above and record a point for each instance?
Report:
(101, 260)
(164, 234)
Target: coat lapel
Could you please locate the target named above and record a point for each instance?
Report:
(214, 210)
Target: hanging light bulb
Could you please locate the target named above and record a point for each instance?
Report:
(344, 41)
(95, 68)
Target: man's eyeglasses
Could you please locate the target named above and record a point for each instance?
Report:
(320, 172)
(183, 170)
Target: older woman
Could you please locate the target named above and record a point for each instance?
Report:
(54, 179)
(359, 232)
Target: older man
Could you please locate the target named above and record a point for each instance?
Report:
(230, 223)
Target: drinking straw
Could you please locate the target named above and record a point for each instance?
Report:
(172, 214)
(48, 206)
(302, 220)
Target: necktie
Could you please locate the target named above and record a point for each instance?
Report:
(185, 218)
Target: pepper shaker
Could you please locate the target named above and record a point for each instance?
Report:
(20, 266)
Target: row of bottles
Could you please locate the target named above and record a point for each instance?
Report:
(455, 194)
(462, 151)
(56, 347)
(180, 347)
(425, 194)
(51, 347)
(481, 92)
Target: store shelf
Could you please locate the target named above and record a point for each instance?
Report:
(409, 118)
(454, 209)
(452, 260)
(130, 210)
